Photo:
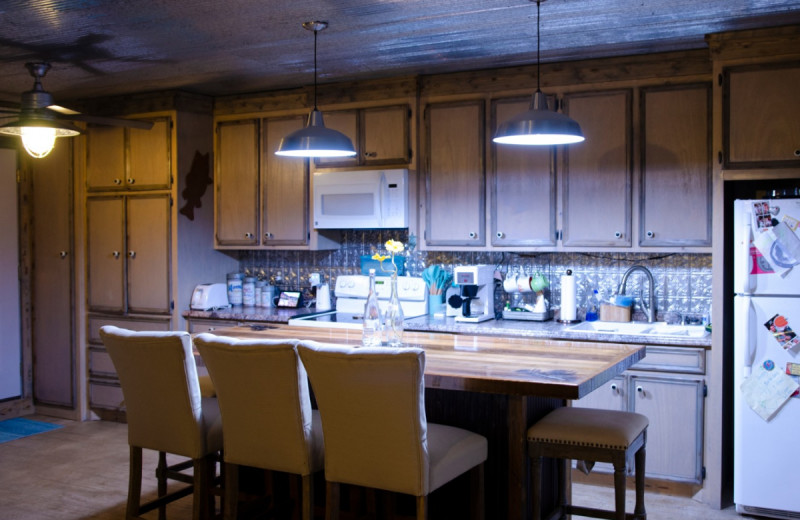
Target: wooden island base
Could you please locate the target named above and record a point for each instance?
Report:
(495, 386)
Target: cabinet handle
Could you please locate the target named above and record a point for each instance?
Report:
(267, 235)
(797, 153)
(650, 234)
(115, 254)
(640, 390)
(132, 254)
(500, 234)
(473, 234)
(371, 154)
(618, 234)
(117, 181)
(62, 254)
(614, 388)
(248, 235)
(131, 181)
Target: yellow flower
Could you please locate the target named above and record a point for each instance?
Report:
(394, 246)
(379, 257)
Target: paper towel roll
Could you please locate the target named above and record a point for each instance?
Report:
(569, 306)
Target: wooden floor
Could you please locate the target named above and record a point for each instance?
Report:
(81, 472)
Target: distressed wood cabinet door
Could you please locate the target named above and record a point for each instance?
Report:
(148, 254)
(523, 188)
(285, 187)
(455, 178)
(149, 156)
(384, 136)
(346, 122)
(105, 158)
(236, 202)
(596, 196)
(675, 199)
(105, 232)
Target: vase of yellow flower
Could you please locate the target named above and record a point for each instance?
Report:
(393, 318)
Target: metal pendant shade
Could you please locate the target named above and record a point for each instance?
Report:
(539, 125)
(314, 140)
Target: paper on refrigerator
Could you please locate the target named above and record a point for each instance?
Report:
(765, 391)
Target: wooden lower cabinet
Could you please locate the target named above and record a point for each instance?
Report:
(668, 387)
(105, 393)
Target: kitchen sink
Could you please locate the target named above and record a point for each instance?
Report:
(639, 328)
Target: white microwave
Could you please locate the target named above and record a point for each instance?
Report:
(361, 199)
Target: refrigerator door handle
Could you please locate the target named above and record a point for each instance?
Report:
(744, 319)
(743, 280)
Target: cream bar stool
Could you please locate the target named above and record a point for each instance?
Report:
(372, 403)
(266, 412)
(166, 413)
(590, 435)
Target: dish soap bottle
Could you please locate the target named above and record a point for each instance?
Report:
(592, 306)
(372, 331)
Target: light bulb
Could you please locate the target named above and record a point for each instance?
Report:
(38, 140)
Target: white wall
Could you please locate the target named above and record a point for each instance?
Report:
(10, 335)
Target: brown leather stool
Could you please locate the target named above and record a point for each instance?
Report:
(590, 435)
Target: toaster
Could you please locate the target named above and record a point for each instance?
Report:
(209, 296)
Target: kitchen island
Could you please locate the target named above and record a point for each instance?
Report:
(493, 385)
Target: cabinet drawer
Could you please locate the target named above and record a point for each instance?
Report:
(198, 326)
(685, 360)
(105, 395)
(95, 322)
(100, 363)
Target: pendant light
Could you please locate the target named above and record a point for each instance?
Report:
(37, 124)
(314, 140)
(539, 125)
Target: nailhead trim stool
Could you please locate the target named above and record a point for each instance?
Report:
(592, 435)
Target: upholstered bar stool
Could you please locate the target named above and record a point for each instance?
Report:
(589, 435)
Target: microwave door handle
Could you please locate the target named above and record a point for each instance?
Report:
(382, 197)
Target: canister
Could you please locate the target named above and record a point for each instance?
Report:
(258, 298)
(249, 291)
(235, 288)
(267, 294)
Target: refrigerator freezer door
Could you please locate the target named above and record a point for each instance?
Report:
(753, 269)
(765, 467)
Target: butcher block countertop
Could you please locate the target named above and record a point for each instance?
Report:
(523, 366)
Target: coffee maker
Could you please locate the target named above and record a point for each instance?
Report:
(475, 300)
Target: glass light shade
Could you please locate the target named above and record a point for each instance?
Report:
(314, 140)
(539, 126)
(39, 135)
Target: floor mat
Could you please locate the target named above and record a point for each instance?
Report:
(19, 427)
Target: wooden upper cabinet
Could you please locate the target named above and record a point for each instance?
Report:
(237, 184)
(523, 187)
(761, 116)
(455, 177)
(675, 203)
(380, 136)
(129, 159)
(596, 190)
(284, 188)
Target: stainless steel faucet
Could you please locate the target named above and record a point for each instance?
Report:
(650, 306)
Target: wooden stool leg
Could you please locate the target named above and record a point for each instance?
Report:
(200, 507)
(308, 497)
(619, 489)
(161, 476)
(639, 458)
(536, 486)
(231, 499)
(422, 507)
(134, 482)
(477, 486)
(332, 506)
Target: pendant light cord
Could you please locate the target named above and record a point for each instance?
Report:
(315, 68)
(538, 40)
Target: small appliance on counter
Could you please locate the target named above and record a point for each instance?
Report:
(476, 295)
(209, 296)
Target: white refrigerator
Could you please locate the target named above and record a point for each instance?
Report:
(767, 352)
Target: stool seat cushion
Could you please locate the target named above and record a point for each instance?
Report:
(453, 451)
(608, 429)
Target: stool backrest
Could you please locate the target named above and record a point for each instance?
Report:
(372, 405)
(264, 400)
(158, 375)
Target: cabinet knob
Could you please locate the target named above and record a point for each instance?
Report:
(115, 254)
(614, 388)
(371, 154)
(248, 235)
(132, 254)
(650, 234)
(267, 235)
(62, 254)
(500, 234)
(131, 181)
(640, 390)
(618, 234)
(473, 234)
(117, 181)
(797, 153)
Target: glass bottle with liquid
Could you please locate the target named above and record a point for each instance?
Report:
(371, 336)
(394, 317)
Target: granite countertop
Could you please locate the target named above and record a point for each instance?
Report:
(550, 329)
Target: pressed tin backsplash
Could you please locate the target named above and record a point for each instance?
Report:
(683, 280)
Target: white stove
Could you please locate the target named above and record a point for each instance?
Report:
(351, 295)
